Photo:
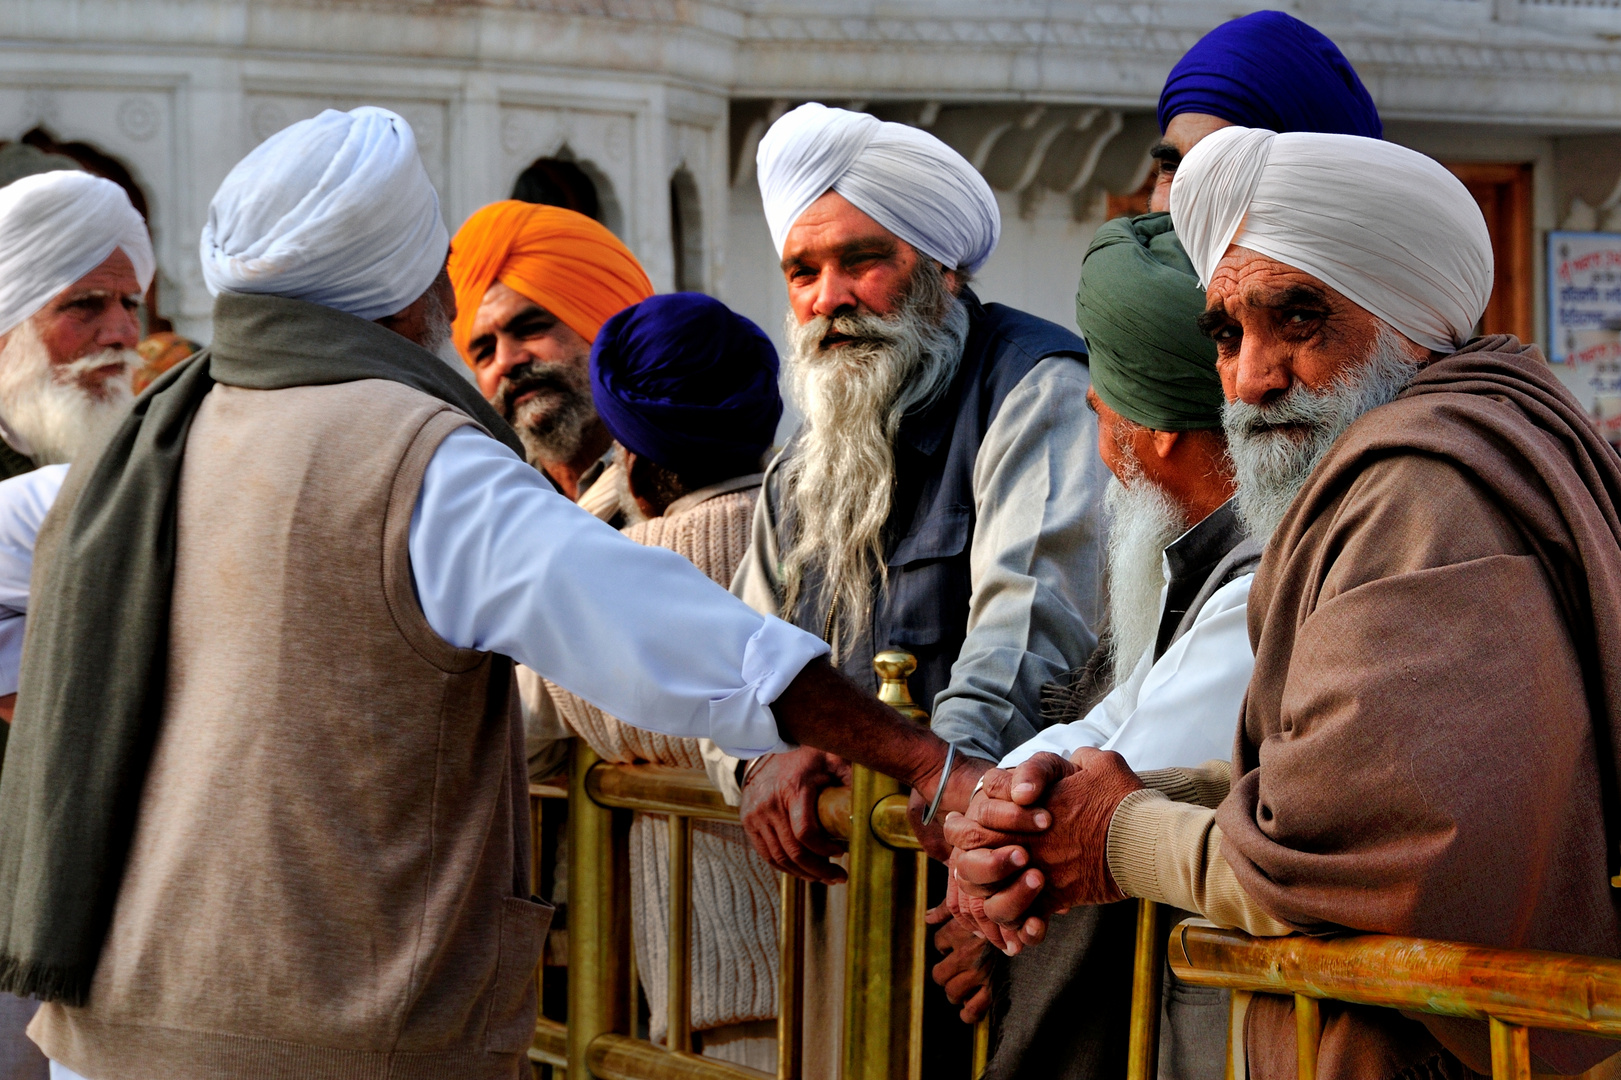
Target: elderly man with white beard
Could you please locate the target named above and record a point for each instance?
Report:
(75, 259)
(943, 494)
(1428, 744)
(1174, 662)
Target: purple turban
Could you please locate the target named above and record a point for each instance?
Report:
(1270, 70)
(689, 384)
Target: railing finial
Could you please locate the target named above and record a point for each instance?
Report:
(893, 666)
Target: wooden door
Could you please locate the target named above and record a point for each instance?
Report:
(1503, 190)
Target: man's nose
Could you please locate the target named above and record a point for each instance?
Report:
(1261, 372)
(118, 328)
(834, 296)
(510, 354)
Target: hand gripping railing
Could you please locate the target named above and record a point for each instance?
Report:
(1515, 990)
(884, 958)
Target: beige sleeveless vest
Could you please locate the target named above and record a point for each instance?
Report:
(328, 878)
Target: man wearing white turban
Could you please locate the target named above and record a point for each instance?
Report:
(943, 495)
(264, 809)
(1429, 742)
(75, 260)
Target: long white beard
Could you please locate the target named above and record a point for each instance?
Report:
(1272, 465)
(840, 484)
(1143, 521)
(49, 407)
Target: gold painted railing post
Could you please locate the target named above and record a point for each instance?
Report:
(1238, 1007)
(790, 978)
(1511, 1051)
(598, 938)
(1308, 1033)
(882, 994)
(678, 1010)
(1147, 980)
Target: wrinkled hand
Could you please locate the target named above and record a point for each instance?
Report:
(981, 846)
(1063, 839)
(779, 812)
(965, 773)
(964, 972)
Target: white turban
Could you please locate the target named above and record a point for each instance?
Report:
(55, 228)
(336, 210)
(905, 179)
(1389, 228)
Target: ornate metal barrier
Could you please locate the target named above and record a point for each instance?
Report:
(1515, 990)
(884, 958)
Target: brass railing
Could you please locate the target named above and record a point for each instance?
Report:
(885, 932)
(1514, 990)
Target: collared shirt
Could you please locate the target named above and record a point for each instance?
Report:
(1180, 705)
(503, 563)
(1038, 489)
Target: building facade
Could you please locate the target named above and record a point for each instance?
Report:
(661, 103)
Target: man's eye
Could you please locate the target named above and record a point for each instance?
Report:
(1226, 333)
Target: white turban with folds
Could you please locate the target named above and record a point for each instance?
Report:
(336, 210)
(55, 228)
(905, 179)
(1389, 228)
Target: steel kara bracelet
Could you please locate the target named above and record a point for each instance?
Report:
(940, 791)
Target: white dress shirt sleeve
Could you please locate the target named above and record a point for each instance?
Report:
(1187, 705)
(1036, 560)
(24, 502)
(502, 563)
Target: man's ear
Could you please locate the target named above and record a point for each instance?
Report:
(954, 280)
(1165, 443)
(627, 461)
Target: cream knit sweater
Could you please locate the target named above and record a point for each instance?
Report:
(734, 891)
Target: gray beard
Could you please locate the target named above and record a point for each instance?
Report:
(552, 430)
(48, 409)
(1143, 522)
(840, 482)
(551, 425)
(1273, 465)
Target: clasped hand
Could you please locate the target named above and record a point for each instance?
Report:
(1034, 843)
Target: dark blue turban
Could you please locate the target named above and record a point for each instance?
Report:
(1270, 70)
(689, 384)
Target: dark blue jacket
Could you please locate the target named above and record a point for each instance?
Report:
(931, 521)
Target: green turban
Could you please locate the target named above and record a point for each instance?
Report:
(1137, 307)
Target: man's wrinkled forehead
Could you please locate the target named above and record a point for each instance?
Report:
(1247, 278)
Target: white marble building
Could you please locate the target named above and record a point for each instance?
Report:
(662, 99)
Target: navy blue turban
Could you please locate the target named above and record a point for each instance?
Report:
(689, 384)
(1270, 70)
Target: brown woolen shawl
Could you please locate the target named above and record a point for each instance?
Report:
(1429, 742)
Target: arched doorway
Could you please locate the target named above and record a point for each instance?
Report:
(687, 232)
(558, 182)
(563, 180)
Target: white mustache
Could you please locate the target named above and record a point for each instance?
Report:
(127, 359)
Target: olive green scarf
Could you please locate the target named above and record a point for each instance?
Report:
(97, 642)
(1137, 307)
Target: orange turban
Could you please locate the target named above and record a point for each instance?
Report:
(563, 261)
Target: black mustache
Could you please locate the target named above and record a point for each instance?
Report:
(527, 379)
